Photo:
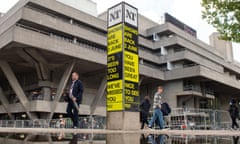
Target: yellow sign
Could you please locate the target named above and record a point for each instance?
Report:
(115, 95)
(115, 39)
(114, 69)
(130, 39)
(131, 71)
(122, 59)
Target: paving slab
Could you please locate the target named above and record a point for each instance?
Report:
(105, 131)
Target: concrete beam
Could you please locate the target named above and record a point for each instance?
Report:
(140, 80)
(101, 92)
(49, 21)
(36, 39)
(16, 87)
(61, 86)
(40, 63)
(25, 56)
(151, 72)
(5, 103)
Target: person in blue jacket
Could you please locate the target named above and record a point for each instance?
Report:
(75, 99)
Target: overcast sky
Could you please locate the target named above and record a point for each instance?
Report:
(188, 11)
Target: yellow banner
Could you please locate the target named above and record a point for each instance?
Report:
(115, 39)
(115, 95)
(131, 71)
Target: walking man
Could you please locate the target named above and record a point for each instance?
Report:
(75, 98)
(234, 113)
(157, 113)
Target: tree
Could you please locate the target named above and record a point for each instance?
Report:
(224, 15)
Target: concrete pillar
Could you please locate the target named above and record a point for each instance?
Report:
(61, 86)
(223, 101)
(101, 92)
(123, 139)
(123, 120)
(171, 90)
(5, 103)
(46, 89)
(225, 47)
(46, 92)
(16, 87)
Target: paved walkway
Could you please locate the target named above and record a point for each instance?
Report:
(101, 131)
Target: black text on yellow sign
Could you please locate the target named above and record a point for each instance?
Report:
(122, 59)
(115, 39)
(115, 95)
(114, 67)
(131, 94)
(130, 39)
(131, 68)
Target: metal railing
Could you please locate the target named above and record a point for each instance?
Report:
(198, 119)
(178, 119)
(84, 122)
(191, 88)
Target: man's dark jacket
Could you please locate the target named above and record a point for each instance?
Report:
(77, 91)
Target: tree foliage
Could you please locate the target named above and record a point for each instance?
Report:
(224, 15)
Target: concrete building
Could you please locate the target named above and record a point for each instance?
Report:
(43, 41)
(86, 6)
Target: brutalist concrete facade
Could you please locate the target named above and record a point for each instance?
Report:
(42, 42)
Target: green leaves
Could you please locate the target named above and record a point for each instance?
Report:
(224, 15)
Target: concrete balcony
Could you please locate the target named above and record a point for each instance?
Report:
(196, 91)
(183, 73)
(56, 23)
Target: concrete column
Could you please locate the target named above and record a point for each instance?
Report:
(16, 87)
(46, 89)
(61, 86)
(101, 92)
(123, 139)
(46, 92)
(123, 120)
(171, 90)
(40, 64)
(5, 103)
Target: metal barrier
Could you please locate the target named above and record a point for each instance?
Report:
(84, 122)
(178, 119)
(198, 119)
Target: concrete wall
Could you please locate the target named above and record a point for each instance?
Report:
(171, 90)
(87, 6)
(225, 47)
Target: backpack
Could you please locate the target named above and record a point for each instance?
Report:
(166, 110)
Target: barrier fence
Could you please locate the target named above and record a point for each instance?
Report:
(198, 119)
(84, 122)
(178, 119)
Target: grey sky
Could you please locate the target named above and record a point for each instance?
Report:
(188, 11)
